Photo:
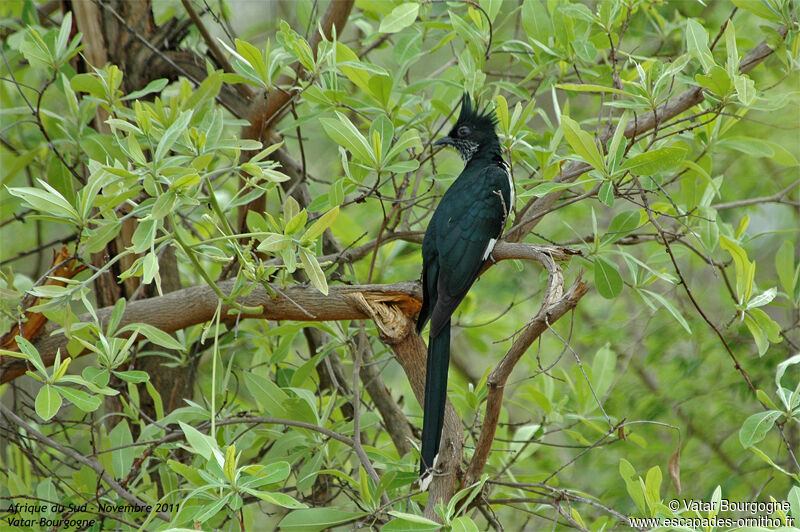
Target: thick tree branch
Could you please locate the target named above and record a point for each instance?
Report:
(190, 306)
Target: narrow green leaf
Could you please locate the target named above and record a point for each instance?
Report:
(546, 188)
(767, 324)
(313, 271)
(401, 17)
(582, 143)
(254, 58)
(622, 225)
(343, 132)
(606, 278)
(671, 309)
(203, 445)
(122, 457)
(266, 393)
(764, 298)
(653, 161)
(157, 85)
(758, 8)
(606, 193)
(320, 224)
(81, 399)
(794, 502)
(745, 89)
(603, 368)
(697, 44)
(278, 499)
(154, 334)
(315, 519)
(784, 265)
(745, 269)
(48, 401)
(759, 335)
(755, 428)
(172, 133)
(578, 87)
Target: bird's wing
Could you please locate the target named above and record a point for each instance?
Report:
(474, 219)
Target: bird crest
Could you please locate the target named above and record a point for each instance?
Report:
(480, 119)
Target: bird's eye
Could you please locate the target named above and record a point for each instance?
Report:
(463, 131)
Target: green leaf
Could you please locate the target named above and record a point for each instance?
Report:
(172, 133)
(157, 85)
(343, 132)
(764, 298)
(578, 87)
(697, 44)
(550, 186)
(784, 265)
(81, 399)
(671, 309)
(202, 444)
(781, 369)
(748, 145)
(603, 367)
(758, 8)
(121, 457)
(732, 64)
(794, 502)
(536, 21)
(266, 393)
(745, 89)
(48, 401)
(410, 522)
(745, 269)
(320, 224)
(254, 58)
(653, 161)
(582, 143)
(278, 499)
(401, 17)
(759, 335)
(607, 278)
(606, 193)
(63, 35)
(314, 519)
(717, 81)
(274, 243)
(633, 486)
(767, 324)
(653, 486)
(154, 334)
(297, 222)
(314, 272)
(755, 428)
(622, 225)
(97, 239)
(134, 376)
(48, 201)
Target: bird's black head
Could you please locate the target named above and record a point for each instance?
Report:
(473, 132)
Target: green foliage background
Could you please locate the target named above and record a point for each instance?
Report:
(667, 415)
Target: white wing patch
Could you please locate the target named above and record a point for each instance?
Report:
(510, 186)
(489, 248)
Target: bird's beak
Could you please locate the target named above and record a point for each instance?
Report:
(444, 141)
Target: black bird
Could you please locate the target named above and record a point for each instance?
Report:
(459, 240)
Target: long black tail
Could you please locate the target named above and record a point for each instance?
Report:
(435, 396)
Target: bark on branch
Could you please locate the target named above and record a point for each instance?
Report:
(190, 306)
